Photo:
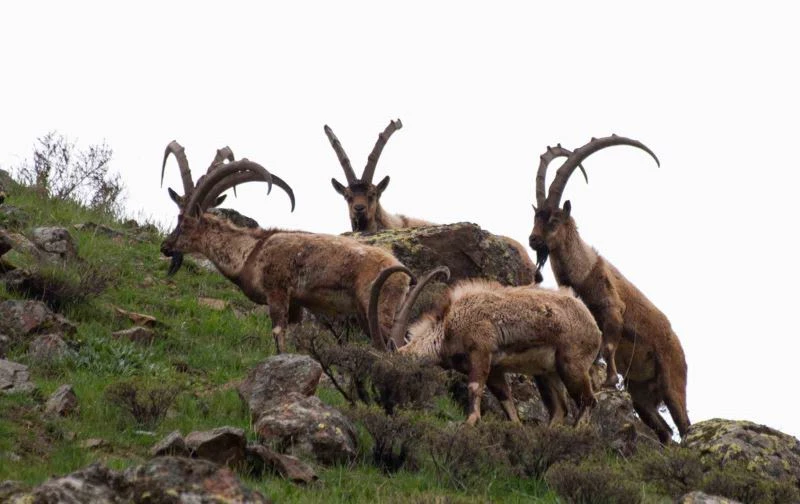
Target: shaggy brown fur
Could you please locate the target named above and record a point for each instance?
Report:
(289, 270)
(638, 339)
(486, 330)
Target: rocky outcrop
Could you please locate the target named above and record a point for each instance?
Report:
(465, 248)
(276, 377)
(22, 320)
(172, 444)
(56, 242)
(304, 426)
(161, 480)
(223, 445)
(766, 451)
(234, 217)
(14, 378)
(262, 459)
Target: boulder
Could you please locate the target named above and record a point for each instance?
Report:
(136, 334)
(618, 424)
(702, 498)
(262, 459)
(223, 445)
(18, 242)
(465, 248)
(766, 451)
(63, 402)
(172, 444)
(55, 241)
(234, 217)
(14, 378)
(21, 319)
(47, 348)
(276, 377)
(162, 480)
(305, 426)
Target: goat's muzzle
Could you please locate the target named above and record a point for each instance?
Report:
(541, 249)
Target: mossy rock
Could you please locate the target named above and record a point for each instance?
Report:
(764, 450)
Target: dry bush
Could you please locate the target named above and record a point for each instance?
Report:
(146, 403)
(592, 482)
(363, 374)
(674, 470)
(396, 438)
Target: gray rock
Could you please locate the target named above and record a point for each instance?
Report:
(16, 241)
(766, 451)
(55, 241)
(277, 376)
(14, 378)
(305, 426)
(172, 444)
(136, 334)
(262, 459)
(99, 229)
(20, 319)
(63, 402)
(9, 489)
(162, 479)
(47, 348)
(223, 445)
(702, 498)
(235, 217)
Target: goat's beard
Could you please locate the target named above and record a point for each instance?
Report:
(360, 223)
(175, 263)
(541, 257)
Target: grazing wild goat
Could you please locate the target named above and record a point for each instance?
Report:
(637, 337)
(485, 330)
(363, 197)
(288, 270)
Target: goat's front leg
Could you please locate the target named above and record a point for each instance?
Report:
(479, 364)
(612, 326)
(279, 313)
(498, 385)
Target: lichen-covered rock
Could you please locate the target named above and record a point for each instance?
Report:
(305, 426)
(14, 378)
(163, 480)
(21, 319)
(465, 248)
(63, 402)
(702, 498)
(234, 217)
(223, 445)
(55, 241)
(172, 444)
(764, 450)
(277, 376)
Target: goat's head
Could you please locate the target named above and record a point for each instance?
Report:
(191, 224)
(397, 334)
(360, 193)
(550, 222)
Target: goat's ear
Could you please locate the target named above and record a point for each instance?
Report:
(220, 200)
(339, 187)
(567, 208)
(174, 196)
(382, 184)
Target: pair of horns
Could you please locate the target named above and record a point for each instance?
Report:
(403, 314)
(372, 160)
(574, 160)
(177, 150)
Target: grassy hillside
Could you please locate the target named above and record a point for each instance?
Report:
(197, 349)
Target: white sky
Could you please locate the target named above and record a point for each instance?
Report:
(481, 89)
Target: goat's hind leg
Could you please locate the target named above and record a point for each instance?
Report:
(479, 366)
(579, 385)
(645, 402)
(553, 396)
(498, 385)
(279, 314)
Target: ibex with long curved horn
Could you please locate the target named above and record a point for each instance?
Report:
(288, 270)
(485, 330)
(637, 337)
(363, 197)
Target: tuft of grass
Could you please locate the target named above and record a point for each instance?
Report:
(146, 402)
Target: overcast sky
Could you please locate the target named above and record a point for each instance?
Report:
(482, 89)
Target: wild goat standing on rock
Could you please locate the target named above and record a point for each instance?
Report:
(363, 197)
(486, 330)
(288, 270)
(637, 337)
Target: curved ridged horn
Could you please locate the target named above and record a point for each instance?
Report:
(400, 325)
(241, 178)
(372, 160)
(343, 159)
(210, 187)
(577, 157)
(221, 155)
(177, 150)
(544, 161)
(372, 308)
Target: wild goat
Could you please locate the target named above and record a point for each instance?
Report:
(288, 270)
(486, 330)
(363, 197)
(637, 337)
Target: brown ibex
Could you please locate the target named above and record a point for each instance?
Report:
(485, 330)
(637, 337)
(363, 197)
(288, 270)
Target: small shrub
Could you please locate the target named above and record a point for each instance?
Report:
(396, 438)
(736, 481)
(59, 285)
(146, 403)
(592, 482)
(674, 470)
